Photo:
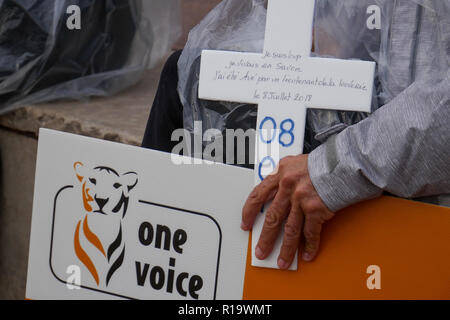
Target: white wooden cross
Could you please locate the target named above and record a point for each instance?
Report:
(284, 81)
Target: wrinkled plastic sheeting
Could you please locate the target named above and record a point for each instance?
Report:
(339, 31)
(42, 60)
(431, 49)
(164, 19)
(233, 25)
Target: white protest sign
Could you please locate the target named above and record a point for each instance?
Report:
(117, 221)
(284, 81)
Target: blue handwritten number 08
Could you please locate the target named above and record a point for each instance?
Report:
(287, 127)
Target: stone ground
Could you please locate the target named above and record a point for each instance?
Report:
(121, 118)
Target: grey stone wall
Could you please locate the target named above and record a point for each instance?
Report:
(17, 165)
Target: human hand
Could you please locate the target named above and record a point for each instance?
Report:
(295, 200)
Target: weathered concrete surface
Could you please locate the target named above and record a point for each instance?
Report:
(17, 166)
(121, 118)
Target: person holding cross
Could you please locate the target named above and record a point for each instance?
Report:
(403, 148)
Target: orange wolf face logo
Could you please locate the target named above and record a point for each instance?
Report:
(105, 196)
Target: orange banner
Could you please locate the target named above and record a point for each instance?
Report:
(409, 242)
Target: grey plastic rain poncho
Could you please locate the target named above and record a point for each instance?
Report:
(404, 146)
